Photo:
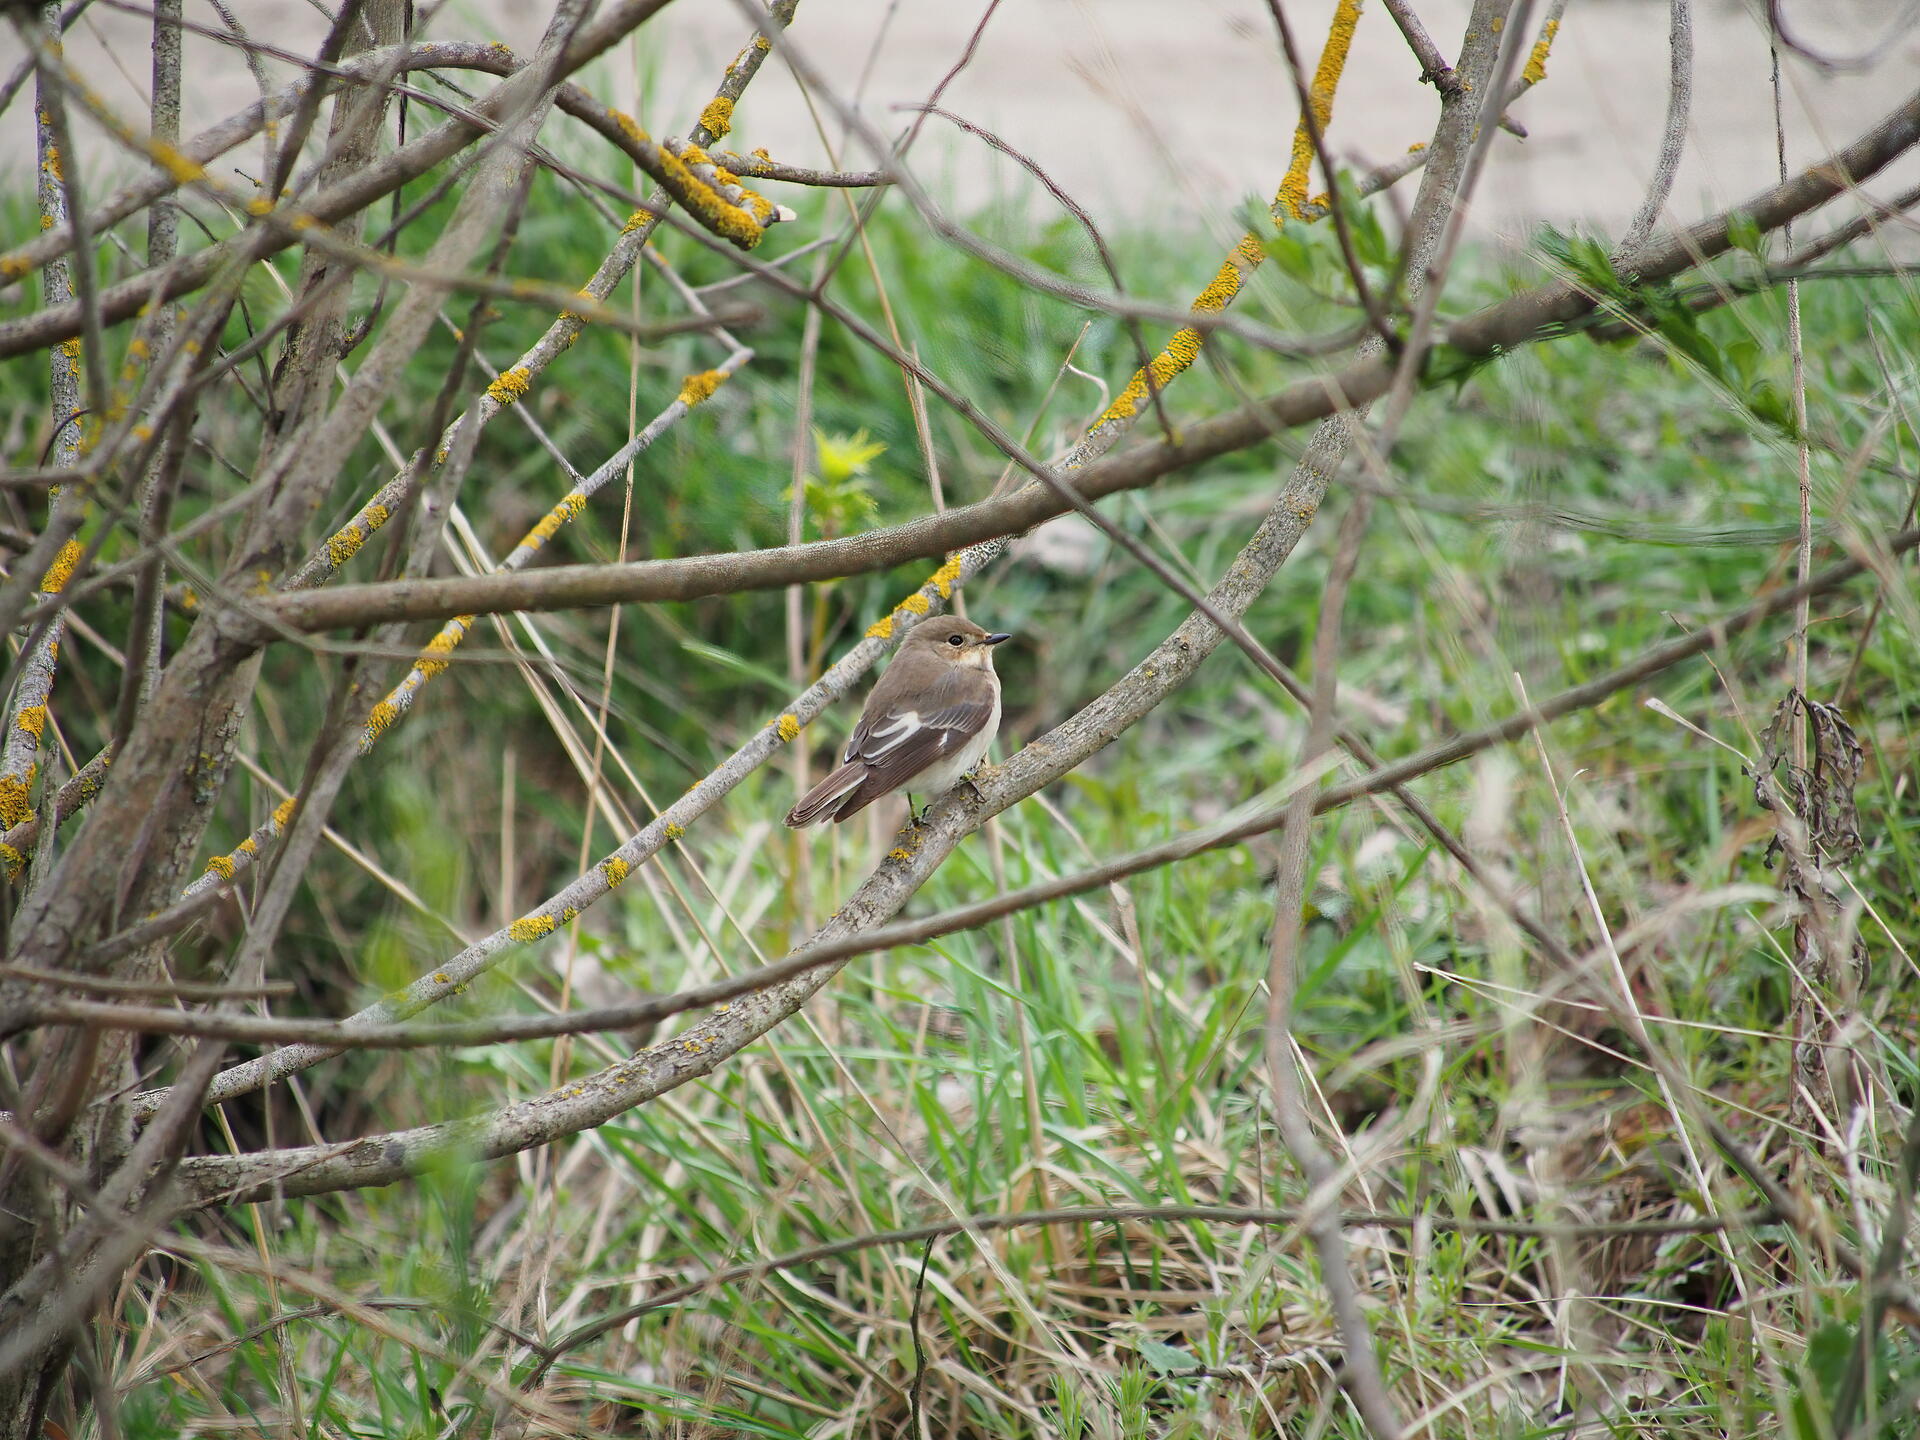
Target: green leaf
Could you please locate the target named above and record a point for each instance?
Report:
(1744, 358)
(1291, 253)
(1447, 365)
(1587, 261)
(1363, 220)
(840, 498)
(727, 660)
(842, 457)
(1828, 1353)
(1767, 403)
(1165, 1359)
(1745, 235)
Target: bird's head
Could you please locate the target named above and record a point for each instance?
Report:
(954, 641)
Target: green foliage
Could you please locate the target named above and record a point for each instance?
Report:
(840, 499)
(1661, 309)
(1555, 514)
(1845, 1377)
(1165, 1359)
(1311, 254)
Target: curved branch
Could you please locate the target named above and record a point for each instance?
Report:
(1518, 320)
(596, 1099)
(1673, 137)
(771, 992)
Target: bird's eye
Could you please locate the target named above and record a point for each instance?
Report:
(956, 639)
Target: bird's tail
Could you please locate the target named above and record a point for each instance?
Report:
(823, 801)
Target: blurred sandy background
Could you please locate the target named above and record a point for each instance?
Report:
(1145, 109)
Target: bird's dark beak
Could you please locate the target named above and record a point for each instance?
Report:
(995, 638)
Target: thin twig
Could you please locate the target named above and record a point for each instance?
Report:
(1673, 137)
(175, 989)
(1803, 553)
(368, 1033)
(1343, 229)
(1079, 213)
(1112, 1214)
(918, 1383)
(1434, 70)
(1518, 320)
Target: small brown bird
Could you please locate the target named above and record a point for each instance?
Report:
(927, 723)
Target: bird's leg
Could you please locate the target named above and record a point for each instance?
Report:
(973, 784)
(913, 812)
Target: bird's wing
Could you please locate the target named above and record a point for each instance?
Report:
(897, 740)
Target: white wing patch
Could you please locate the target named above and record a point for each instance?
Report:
(894, 732)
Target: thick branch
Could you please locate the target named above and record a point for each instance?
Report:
(1515, 321)
(384, 1159)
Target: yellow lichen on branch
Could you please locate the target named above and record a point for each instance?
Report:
(1184, 348)
(345, 542)
(571, 504)
(438, 649)
(943, 578)
(184, 169)
(941, 582)
(61, 570)
(707, 205)
(511, 385)
(1291, 200)
(1536, 70)
(717, 118)
(1289, 203)
(531, 927)
(378, 720)
(700, 386)
(16, 798)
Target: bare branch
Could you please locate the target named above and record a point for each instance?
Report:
(372, 1033)
(1673, 138)
(1519, 320)
(349, 196)
(1434, 70)
(758, 166)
